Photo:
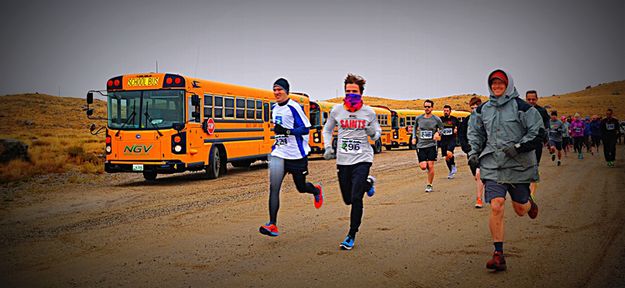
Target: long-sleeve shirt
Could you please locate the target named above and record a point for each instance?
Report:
(352, 140)
(576, 129)
(290, 115)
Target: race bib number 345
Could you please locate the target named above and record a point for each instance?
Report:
(426, 134)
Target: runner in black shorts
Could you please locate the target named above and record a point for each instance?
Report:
(426, 129)
(555, 132)
(448, 140)
(466, 148)
(289, 153)
(531, 97)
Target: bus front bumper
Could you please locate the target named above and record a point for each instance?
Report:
(161, 167)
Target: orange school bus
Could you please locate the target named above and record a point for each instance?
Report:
(402, 121)
(168, 123)
(319, 113)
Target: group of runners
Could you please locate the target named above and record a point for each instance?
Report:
(503, 139)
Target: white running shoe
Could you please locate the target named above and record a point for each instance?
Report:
(428, 188)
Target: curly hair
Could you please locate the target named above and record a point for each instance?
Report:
(355, 79)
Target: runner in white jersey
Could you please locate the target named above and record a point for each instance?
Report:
(289, 153)
(354, 155)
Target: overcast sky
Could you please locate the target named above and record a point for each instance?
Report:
(405, 49)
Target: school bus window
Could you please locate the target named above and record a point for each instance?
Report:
(219, 111)
(208, 106)
(259, 110)
(325, 117)
(314, 118)
(266, 112)
(240, 112)
(250, 109)
(402, 122)
(228, 107)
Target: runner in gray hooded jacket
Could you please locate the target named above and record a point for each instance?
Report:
(503, 134)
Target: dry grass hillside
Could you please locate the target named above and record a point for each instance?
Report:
(594, 100)
(56, 131)
(458, 102)
(590, 101)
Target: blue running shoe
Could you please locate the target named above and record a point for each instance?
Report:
(371, 181)
(348, 243)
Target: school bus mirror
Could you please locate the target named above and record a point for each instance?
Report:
(89, 112)
(90, 98)
(178, 126)
(196, 115)
(195, 100)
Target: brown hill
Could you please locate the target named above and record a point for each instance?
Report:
(56, 131)
(457, 102)
(593, 100)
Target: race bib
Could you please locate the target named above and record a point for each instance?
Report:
(448, 131)
(281, 140)
(350, 146)
(578, 130)
(426, 134)
(610, 126)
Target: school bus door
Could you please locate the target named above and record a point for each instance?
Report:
(267, 133)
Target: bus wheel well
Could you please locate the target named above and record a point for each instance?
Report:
(217, 160)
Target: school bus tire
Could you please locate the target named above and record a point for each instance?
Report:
(216, 162)
(149, 175)
(377, 147)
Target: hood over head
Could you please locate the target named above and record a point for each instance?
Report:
(510, 92)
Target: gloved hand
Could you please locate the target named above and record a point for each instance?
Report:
(329, 153)
(474, 161)
(466, 148)
(279, 130)
(511, 151)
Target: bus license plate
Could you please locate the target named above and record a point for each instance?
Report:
(137, 167)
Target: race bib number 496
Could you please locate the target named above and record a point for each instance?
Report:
(350, 146)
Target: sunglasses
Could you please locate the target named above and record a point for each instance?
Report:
(427, 106)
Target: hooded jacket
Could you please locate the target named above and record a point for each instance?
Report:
(502, 122)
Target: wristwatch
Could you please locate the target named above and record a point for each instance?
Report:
(517, 145)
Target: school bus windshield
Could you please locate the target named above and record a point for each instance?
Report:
(129, 110)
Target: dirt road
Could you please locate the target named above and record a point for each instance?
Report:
(117, 230)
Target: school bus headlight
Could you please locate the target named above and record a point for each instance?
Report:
(108, 149)
(177, 148)
(316, 140)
